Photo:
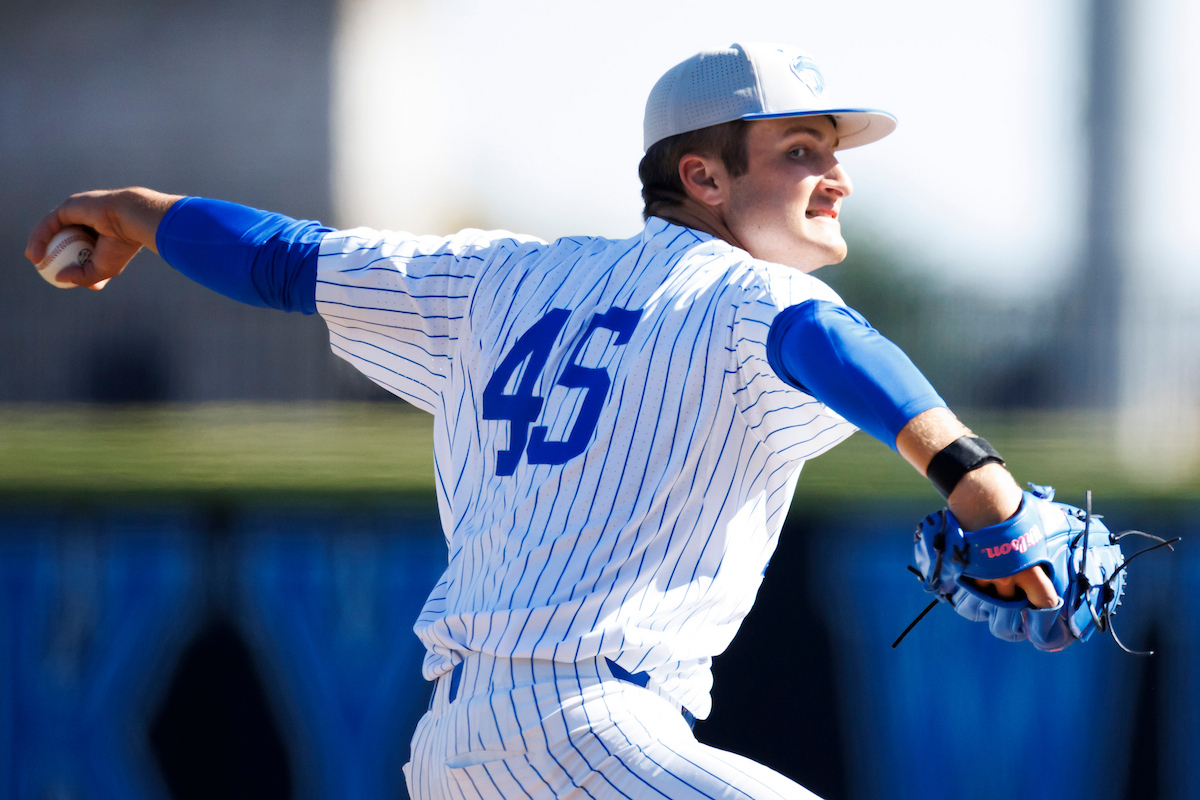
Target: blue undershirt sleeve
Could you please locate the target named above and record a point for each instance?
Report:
(255, 257)
(832, 353)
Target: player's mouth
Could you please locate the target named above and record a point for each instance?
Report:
(813, 213)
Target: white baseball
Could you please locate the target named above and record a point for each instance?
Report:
(72, 246)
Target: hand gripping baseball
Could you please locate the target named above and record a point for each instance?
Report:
(125, 220)
(1079, 554)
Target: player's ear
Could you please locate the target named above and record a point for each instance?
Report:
(704, 178)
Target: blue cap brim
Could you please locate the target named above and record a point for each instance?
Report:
(856, 126)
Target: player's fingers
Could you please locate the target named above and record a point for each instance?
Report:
(43, 232)
(89, 209)
(75, 274)
(1033, 584)
(1037, 587)
(1002, 588)
(109, 260)
(83, 275)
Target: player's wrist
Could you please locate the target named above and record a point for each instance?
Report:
(985, 496)
(136, 212)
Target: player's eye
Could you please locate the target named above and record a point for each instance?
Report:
(798, 152)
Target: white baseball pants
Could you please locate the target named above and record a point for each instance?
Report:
(536, 730)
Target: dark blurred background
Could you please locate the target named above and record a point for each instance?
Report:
(215, 536)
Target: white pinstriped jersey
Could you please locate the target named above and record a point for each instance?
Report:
(614, 456)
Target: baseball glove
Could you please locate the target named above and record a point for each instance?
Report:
(1079, 554)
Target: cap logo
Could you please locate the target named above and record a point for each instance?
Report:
(806, 70)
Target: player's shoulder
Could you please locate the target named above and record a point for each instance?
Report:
(467, 243)
(756, 281)
(783, 286)
(715, 259)
(580, 245)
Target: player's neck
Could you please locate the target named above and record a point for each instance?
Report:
(697, 216)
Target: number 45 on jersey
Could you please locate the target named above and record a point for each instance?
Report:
(523, 407)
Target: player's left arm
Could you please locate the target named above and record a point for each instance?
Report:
(983, 497)
(830, 352)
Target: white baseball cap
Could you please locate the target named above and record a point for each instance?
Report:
(753, 80)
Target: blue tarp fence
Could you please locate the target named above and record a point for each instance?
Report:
(96, 610)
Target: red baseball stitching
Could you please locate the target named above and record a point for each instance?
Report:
(74, 237)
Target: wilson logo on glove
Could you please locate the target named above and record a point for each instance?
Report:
(1020, 544)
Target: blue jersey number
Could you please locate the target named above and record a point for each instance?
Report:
(523, 408)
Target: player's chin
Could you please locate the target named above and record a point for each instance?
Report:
(822, 236)
(837, 251)
(825, 252)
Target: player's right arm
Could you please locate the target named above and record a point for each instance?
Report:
(256, 257)
(396, 304)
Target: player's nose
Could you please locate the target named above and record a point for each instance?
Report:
(837, 181)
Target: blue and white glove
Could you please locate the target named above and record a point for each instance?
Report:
(1079, 554)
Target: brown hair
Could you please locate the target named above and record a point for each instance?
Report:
(659, 170)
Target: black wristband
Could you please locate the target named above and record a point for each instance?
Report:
(958, 458)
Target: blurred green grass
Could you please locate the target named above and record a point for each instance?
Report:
(229, 452)
(299, 453)
(1071, 450)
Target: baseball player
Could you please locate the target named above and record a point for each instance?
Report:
(618, 425)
